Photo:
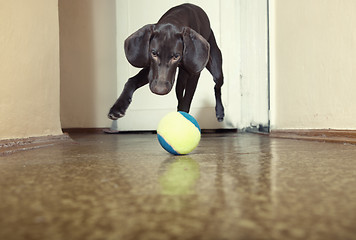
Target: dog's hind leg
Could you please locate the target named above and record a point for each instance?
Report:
(215, 68)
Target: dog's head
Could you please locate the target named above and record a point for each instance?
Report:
(164, 47)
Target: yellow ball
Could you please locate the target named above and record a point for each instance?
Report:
(178, 133)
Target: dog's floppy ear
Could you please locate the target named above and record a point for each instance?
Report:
(137, 46)
(196, 51)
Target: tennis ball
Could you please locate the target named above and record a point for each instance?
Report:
(178, 133)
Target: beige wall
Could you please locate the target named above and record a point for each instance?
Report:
(88, 62)
(29, 68)
(313, 76)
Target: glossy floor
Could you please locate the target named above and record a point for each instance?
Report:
(233, 186)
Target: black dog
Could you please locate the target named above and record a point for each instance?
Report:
(182, 38)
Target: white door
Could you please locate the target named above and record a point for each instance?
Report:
(147, 108)
(254, 82)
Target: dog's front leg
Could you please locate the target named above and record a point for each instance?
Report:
(190, 82)
(118, 110)
(180, 86)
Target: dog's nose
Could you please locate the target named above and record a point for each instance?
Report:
(160, 87)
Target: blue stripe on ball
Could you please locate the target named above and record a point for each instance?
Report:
(191, 119)
(165, 145)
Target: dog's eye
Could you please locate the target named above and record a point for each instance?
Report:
(176, 56)
(154, 53)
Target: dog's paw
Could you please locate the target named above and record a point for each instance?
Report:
(113, 115)
(119, 109)
(220, 113)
